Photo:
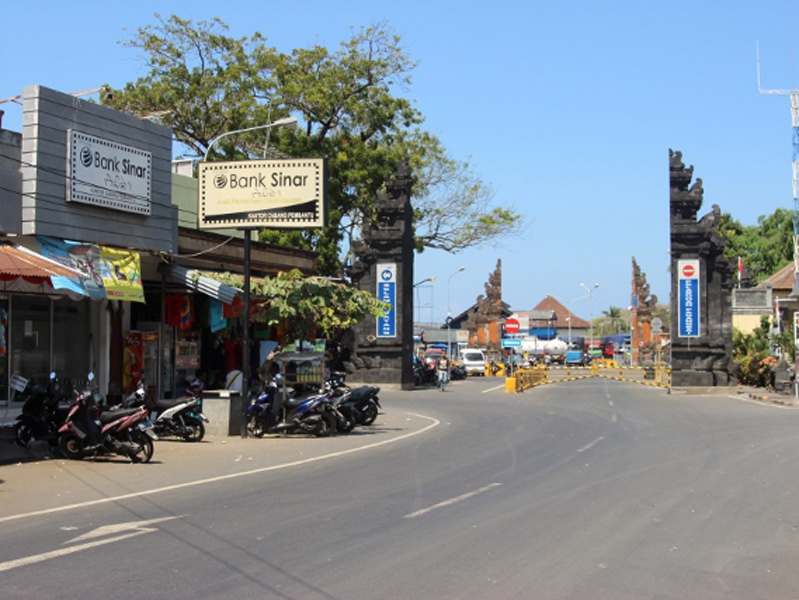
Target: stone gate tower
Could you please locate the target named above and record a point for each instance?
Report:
(701, 287)
(383, 348)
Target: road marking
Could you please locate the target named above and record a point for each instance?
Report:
(591, 445)
(134, 529)
(435, 423)
(451, 501)
(494, 389)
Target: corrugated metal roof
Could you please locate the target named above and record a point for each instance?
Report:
(193, 280)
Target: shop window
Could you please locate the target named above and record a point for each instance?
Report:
(71, 339)
(3, 351)
(30, 338)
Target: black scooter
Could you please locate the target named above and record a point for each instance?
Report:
(42, 414)
(359, 405)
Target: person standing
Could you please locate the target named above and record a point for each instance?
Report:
(234, 380)
(443, 373)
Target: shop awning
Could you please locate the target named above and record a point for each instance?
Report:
(16, 261)
(193, 280)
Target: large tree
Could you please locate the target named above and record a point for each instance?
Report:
(765, 248)
(202, 83)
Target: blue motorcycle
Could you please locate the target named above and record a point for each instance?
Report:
(267, 413)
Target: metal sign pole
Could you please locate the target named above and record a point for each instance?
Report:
(245, 338)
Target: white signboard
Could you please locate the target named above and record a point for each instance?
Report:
(282, 193)
(108, 174)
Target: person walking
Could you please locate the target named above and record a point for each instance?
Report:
(443, 373)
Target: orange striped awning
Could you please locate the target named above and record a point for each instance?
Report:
(17, 261)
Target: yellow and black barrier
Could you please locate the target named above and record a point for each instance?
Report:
(655, 375)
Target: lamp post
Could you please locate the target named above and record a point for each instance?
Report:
(278, 123)
(591, 308)
(245, 337)
(449, 329)
(416, 287)
(569, 321)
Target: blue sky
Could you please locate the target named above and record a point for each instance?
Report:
(567, 109)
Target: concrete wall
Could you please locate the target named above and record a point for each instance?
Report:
(47, 117)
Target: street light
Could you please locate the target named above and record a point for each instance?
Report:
(418, 302)
(245, 337)
(591, 308)
(449, 330)
(278, 123)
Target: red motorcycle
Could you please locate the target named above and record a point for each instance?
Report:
(91, 431)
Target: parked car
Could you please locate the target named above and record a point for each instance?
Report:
(474, 361)
(431, 357)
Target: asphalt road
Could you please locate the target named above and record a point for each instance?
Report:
(587, 489)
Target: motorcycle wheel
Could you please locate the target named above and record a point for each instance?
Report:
(194, 430)
(22, 434)
(144, 444)
(345, 424)
(369, 414)
(326, 425)
(255, 427)
(71, 446)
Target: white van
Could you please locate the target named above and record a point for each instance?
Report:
(474, 360)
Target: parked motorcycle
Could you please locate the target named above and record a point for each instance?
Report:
(423, 374)
(360, 405)
(181, 418)
(41, 415)
(268, 414)
(90, 431)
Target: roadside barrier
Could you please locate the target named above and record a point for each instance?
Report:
(528, 377)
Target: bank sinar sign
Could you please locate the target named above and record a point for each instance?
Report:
(282, 193)
(108, 174)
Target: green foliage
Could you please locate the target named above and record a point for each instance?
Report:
(203, 83)
(301, 306)
(765, 247)
(751, 353)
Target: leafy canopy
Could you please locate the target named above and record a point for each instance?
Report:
(203, 83)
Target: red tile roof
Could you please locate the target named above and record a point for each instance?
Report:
(782, 279)
(550, 303)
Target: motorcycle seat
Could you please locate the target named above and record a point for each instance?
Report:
(113, 415)
(168, 403)
(295, 402)
(364, 392)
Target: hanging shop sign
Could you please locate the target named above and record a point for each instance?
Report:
(387, 292)
(105, 272)
(121, 274)
(284, 193)
(108, 174)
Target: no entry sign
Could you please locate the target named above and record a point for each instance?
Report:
(512, 326)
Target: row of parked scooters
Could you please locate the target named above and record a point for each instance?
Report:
(336, 408)
(80, 424)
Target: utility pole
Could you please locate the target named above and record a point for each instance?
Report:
(794, 95)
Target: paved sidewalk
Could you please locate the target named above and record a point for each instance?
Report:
(29, 485)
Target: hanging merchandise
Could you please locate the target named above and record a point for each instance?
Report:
(186, 313)
(216, 317)
(234, 309)
(174, 306)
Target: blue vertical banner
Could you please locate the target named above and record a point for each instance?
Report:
(387, 292)
(688, 313)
